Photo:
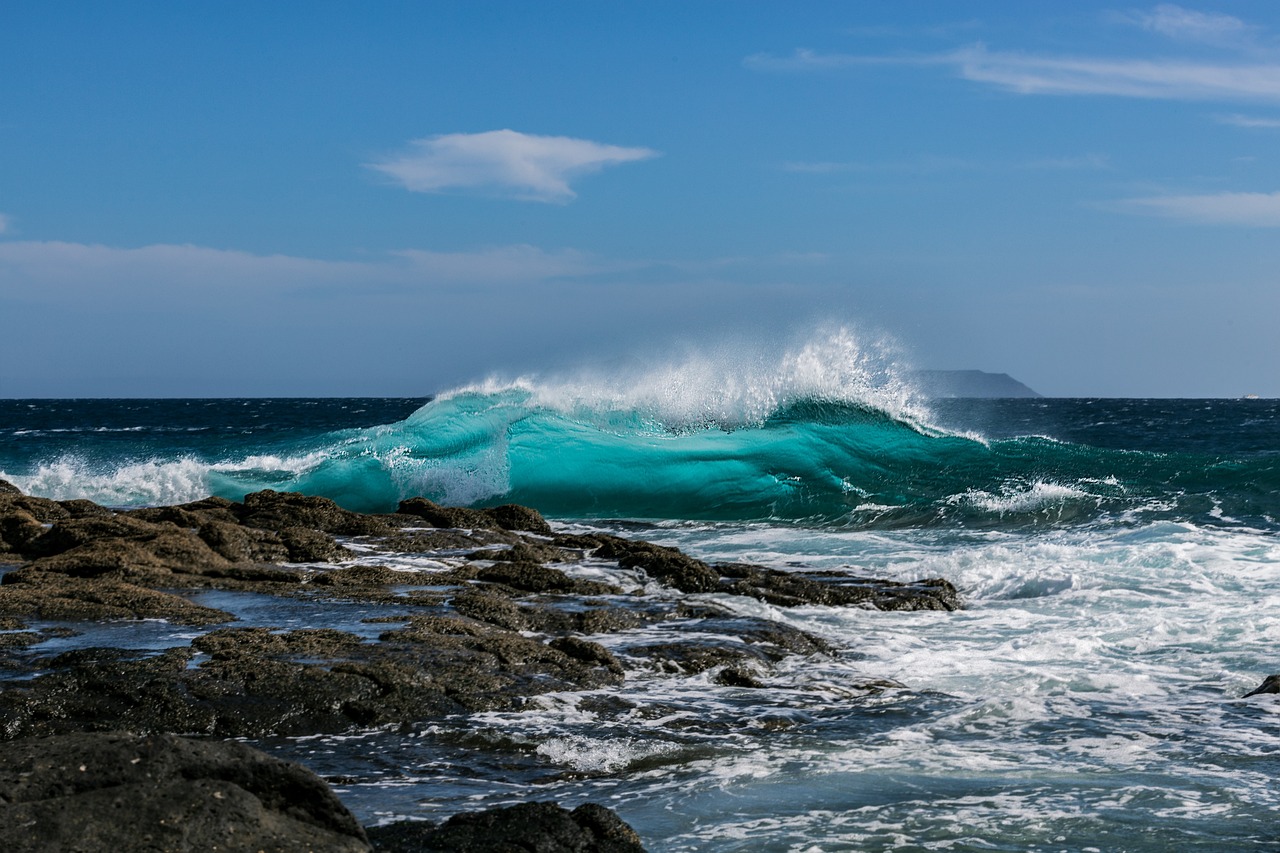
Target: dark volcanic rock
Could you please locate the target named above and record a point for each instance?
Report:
(18, 529)
(273, 510)
(7, 488)
(506, 517)
(668, 565)
(525, 828)
(311, 546)
(194, 514)
(531, 577)
(80, 508)
(523, 552)
(429, 541)
(123, 792)
(258, 682)
(839, 589)
(238, 543)
(74, 532)
(103, 690)
(43, 509)
(516, 517)
(445, 516)
(26, 594)
(373, 576)
(486, 606)
(1271, 684)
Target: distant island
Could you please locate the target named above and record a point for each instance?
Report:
(969, 383)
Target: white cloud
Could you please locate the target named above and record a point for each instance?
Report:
(1175, 22)
(1259, 210)
(1170, 79)
(1032, 74)
(4, 223)
(1237, 120)
(504, 162)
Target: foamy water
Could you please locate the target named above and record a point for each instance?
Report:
(1087, 697)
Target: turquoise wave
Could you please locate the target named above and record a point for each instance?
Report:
(810, 460)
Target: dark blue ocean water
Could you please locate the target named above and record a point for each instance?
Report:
(1118, 559)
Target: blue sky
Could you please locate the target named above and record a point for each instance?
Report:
(316, 198)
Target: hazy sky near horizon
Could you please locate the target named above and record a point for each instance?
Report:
(324, 198)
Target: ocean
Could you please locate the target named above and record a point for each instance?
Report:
(1118, 562)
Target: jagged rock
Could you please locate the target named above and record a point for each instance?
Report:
(835, 588)
(735, 676)
(124, 793)
(423, 542)
(238, 643)
(738, 643)
(588, 652)
(117, 559)
(257, 682)
(531, 577)
(667, 565)
(96, 689)
(371, 576)
(1271, 684)
(485, 606)
(238, 543)
(516, 517)
(81, 508)
(43, 509)
(72, 533)
(506, 517)
(537, 827)
(305, 545)
(7, 488)
(436, 515)
(273, 510)
(523, 552)
(18, 529)
(194, 514)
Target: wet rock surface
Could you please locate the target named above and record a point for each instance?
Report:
(493, 609)
(1271, 684)
(125, 792)
(525, 828)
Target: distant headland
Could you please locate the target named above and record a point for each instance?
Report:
(969, 383)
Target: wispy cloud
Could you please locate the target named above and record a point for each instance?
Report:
(1168, 79)
(1245, 72)
(1175, 22)
(78, 272)
(5, 221)
(1031, 74)
(1259, 210)
(935, 164)
(1238, 120)
(505, 163)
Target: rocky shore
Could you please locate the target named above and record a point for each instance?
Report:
(127, 740)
